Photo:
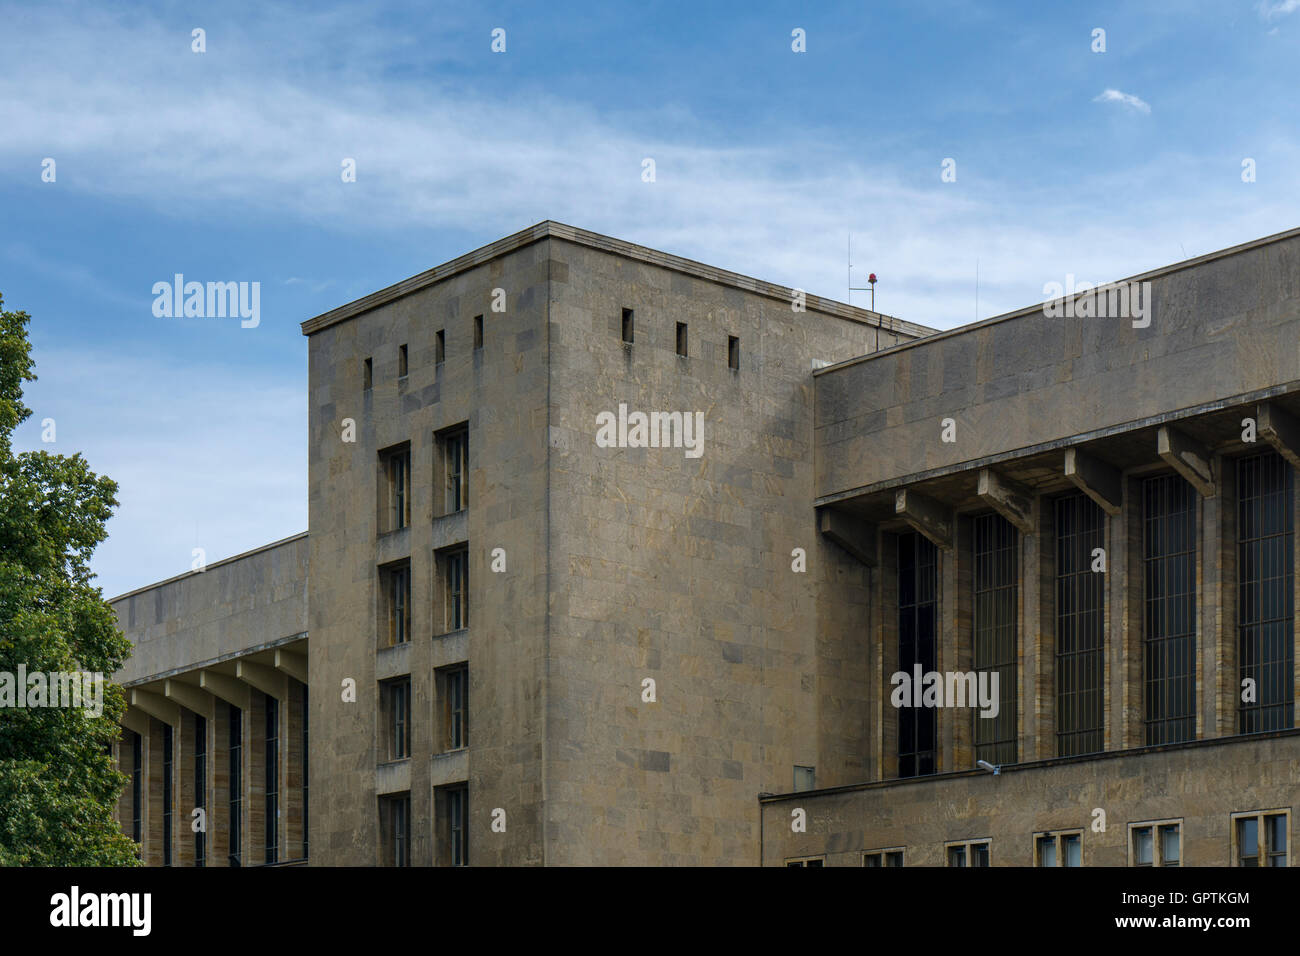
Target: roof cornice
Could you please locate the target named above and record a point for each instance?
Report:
(594, 240)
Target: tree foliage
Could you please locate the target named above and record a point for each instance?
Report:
(58, 785)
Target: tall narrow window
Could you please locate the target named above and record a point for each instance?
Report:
(478, 331)
(395, 467)
(272, 780)
(453, 688)
(1265, 592)
(168, 796)
(453, 446)
(1080, 626)
(397, 702)
(306, 776)
(681, 339)
(995, 633)
(453, 566)
(401, 361)
(733, 352)
(917, 620)
(440, 346)
(457, 833)
(1169, 645)
(201, 787)
(395, 612)
(236, 751)
(396, 818)
(367, 373)
(137, 787)
(628, 326)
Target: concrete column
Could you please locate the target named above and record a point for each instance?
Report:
(1038, 635)
(887, 732)
(1126, 595)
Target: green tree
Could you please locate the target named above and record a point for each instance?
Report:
(58, 785)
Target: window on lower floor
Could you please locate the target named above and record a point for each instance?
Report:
(1265, 592)
(452, 807)
(889, 857)
(1059, 849)
(395, 698)
(452, 687)
(395, 823)
(995, 572)
(1080, 625)
(394, 604)
(1169, 506)
(1156, 844)
(807, 861)
(969, 853)
(201, 787)
(272, 780)
(168, 795)
(918, 584)
(1260, 838)
(452, 567)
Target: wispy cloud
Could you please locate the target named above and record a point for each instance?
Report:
(1127, 99)
(1272, 11)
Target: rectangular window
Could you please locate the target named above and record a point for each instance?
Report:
(1169, 631)
(395, 822)
(401, 361)
(1155, 844)
(996, 647)
(1080, 626)
(455, 825)
(397, 706)
(733, 352)
(367, 374)
(453, 460)
(893, 857)
(453, 566)
(817, 861)
(395, 501)
(395, 610)
(628, 329)
(272, 780)
(969, 854)
(478, 331)
(1265, 592)
(681, 339)
(453, 691)
(168, 796)
(917, 624)
(805, 778)
(1058, 849)
(1261, 839)
(306, 753)
(440, 346)
(236, 751)
(137, 787)
(200, 786)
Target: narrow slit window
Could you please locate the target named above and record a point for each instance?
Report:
(628, 326)
(733, 352)
(681, 339)
(478, 331)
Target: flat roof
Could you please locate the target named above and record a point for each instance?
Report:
(208, 567)
(594, 240)
(1028, 310)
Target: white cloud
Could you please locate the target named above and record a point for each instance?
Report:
(1271, 11)
(1128, 99)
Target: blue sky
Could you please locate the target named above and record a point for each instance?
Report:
(225, 166)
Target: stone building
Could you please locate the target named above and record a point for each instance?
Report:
(662, 536)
